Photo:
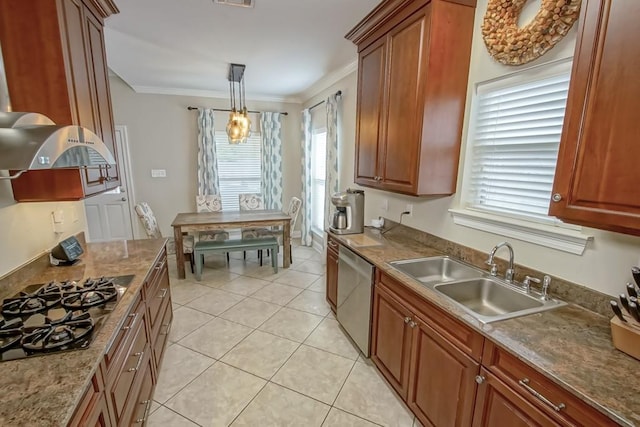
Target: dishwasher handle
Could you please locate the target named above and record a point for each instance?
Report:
(355, 261)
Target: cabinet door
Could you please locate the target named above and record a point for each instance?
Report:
(405, 103)
(597, 173)
(391, 339)
(442, 380)
(332, 275)
(371, 71)
(497, 405)
(102, 111)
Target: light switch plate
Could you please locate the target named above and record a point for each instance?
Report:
(158, 173)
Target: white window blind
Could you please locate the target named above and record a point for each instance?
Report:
(239, 168)
(318, 173)
(518, 123)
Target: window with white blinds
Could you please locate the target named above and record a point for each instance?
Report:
(515, 140)
(239, 168)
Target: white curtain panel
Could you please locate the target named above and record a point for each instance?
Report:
(271, 187)
(332, 183)
(306, 239)
(207, 159)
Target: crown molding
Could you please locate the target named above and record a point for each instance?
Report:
(327, 81)
(155, 90)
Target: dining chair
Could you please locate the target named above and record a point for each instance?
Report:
(150, 224)
(293, 211)
(251, 202)
(211, 203)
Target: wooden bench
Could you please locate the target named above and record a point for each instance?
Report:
(222, 246)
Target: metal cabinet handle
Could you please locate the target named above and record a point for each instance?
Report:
(124, 199)
(332, 244)
(139, 354)
(133, 321)
(525, 383)
(164, 292)
(412, 324)
(407, 319)
(480, 379)
(147, 404)
(556, 197)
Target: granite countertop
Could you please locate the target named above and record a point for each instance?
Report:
(570, 345)
(44, 391)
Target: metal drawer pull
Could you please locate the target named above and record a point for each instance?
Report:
(407, 319)
(146, 410)
(133, 321)
(412, 324)
(332, 244)
(525, 383)
(480, 379)
(139, 354)
(164, 292)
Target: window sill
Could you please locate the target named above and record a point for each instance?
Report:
(560, 238)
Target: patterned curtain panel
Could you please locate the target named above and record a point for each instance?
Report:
(332, 178)
(270, 129)
(306, 178)
(207, 159)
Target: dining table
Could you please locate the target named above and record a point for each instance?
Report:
(202, 221)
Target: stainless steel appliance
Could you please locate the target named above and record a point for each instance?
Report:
(57, 316)
(355, 293)
(349, 215)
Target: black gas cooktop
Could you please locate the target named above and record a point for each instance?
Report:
(57, 316)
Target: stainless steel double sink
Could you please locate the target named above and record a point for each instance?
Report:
(486, 298)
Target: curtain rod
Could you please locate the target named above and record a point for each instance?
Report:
(338, 93)
(284, 113)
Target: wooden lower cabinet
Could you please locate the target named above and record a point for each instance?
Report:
(434, 377)
(449, 375)
(442, 386)
(391, 340)
(332, 273)
(498, 405)
(122, 396)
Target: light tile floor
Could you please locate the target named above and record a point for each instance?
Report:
(252, 348)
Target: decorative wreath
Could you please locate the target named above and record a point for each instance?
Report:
(512, 45)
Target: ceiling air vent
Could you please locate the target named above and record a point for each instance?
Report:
(240, 3)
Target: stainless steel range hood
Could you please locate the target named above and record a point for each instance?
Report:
(30, 141)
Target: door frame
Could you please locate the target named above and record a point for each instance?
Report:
(124, 163)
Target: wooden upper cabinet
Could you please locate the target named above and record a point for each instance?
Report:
(597, 174)
(412, 83)
(58, 68)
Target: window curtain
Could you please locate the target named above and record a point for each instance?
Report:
(305, 212)
(207, 159)
(271, 184)
(332, 178)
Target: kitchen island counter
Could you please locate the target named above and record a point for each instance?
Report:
(569, 345)
(45, 390)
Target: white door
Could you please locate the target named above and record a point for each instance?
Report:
(109, 214)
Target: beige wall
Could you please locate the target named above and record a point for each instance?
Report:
(26, 229)
(163, 135)
(605, 264)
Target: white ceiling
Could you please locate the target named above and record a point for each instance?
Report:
(290, 47)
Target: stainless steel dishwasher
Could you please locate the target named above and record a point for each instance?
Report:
(355, 292)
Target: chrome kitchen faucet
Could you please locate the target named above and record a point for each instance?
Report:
(508, 275)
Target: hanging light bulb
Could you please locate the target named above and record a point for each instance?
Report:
(239, 125)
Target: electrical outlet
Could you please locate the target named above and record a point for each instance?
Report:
(385, 205)
(409, 209)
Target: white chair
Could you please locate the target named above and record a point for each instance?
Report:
(152, 229)
(251, 202)
(210, 203)
(293, 211)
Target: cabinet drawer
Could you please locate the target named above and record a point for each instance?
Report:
(124, 336)
(129, 367)
(162, 335)
(137, 410)
(92, 407)
(552, 399)
(157, 292)
(463, 337)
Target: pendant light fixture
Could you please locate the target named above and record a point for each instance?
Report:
(239, 126)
